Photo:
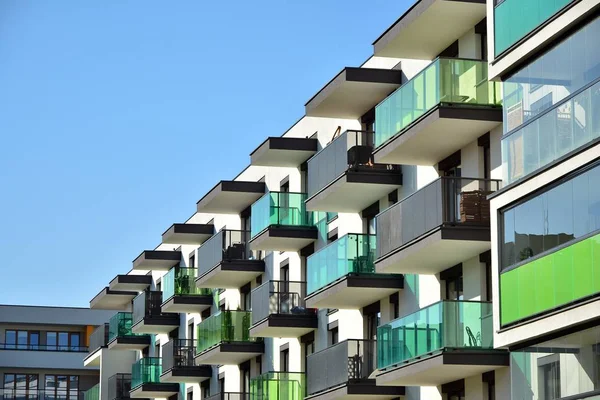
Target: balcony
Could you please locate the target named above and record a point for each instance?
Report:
(278, 386)
(178, 363)
(284, 152)
(229, 396)
(181, 294)
(119, 386)
(280, 221)
(224, 339)
(230, 197)
(440, 225)
(148, 316)
(343, 371)
(226, 261)
(353, 92)
(145, 380)
(444, 342)
(194, 234)
(120, 335)
(98, 341)
(442, 109)
(92, 393)
(278, 310)
(35, 394)
(342, 275)
(343, 178)
(157, 260)
(429, 27)
(130, 283)
(109, 299)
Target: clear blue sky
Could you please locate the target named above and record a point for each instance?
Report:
(117, 116)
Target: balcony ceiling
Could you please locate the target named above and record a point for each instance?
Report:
(428, 28)
(230, 354)
(284, 152)
(159, 260)
(231, 274)
(194, 234)
(231, 197)
(353, 92)
(442, 132)
(109, 299)
(284, 238)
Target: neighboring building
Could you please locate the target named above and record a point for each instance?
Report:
(42, 351)
(546, 219)
(356, 256)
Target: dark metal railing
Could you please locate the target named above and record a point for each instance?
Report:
(226, 245)
(39, 394)
(119, 386)
(43, 347)
(279, 297)
(148, 305)
(178, 353)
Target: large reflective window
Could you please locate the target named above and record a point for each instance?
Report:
(557, 216)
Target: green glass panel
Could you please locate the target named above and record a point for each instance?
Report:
(526, 290)
(546, 283)
(350, 254)
(146, 370)
(452, 81)
(509, 303)
(583, 275)
(280, 208)
(514, 19)
(446, 324)
(563, 273)
(278, 386)
(92, 393)
(182, 281)
(120, 325)
(225, 326)
(559, 278)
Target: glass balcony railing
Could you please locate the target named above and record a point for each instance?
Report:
(148, 305)
(279, 297)
(182, 282)
(278, 386)
(224, 327)
(447, 81)
(39, 394)
(350, 254)
(120, 326)
(514, 19)
(146, 370)
(450, 325)
(119, 386)
(280, 208)
(178, 353)
(226, 245)
(338, 364)
(352, 150)
(99, 337)
(92, 393)
(445, 201)
(230, 396)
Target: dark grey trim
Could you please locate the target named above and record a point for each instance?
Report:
(139, 340)
(358, 387)
(197, 300)
(452, 272)
(291, 232)
(290, 321)
(157, 387)
(371, 211)
(307, 250)
(455, 386)
(354, 74)
(163, 320)
(257, 347)
(309, 337)
(332, 233)
(284, 347)
(107, 292)
(333, 325)
(237, 266)
(284, 181)
(287, 143)
(377, 177)
(489, 377)
(132, 279)
(284, 263)
(198, 229)
(498, 357)
(410, 16)
(199, 371)
(381, 281)
(372, 308)
(481, 27)
(157, 255)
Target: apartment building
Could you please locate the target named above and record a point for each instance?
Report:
(42, 351)
(400, 240)
(545, 220)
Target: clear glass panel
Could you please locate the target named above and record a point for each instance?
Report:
(182, 281)
(447, 324)
(443, 81)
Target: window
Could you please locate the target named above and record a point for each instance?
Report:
(284, 360)
(205, 389)
(491, 391)
(551, 381)
(22, 340)
(61, 387)
(454, 289)
(192, 262)
(63, 341)
(333, 336)
(190, 331)
(190, 394)
(20, 385)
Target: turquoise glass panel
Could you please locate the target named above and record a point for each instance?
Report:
(280, 208)
(182, 281)
(91, 394)
(120, 325)
(146, 370)
(225, 326)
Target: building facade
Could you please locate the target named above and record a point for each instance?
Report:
(42, 352)
(424, 231)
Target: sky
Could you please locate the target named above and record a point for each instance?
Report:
(117, 116)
